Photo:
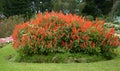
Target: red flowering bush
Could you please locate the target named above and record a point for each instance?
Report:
(56, 32)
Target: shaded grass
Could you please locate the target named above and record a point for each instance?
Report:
(58, 58)
(6, 65)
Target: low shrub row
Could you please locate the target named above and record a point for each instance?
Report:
(58, 33)
(58, 58)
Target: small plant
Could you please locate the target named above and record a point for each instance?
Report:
(58, 33)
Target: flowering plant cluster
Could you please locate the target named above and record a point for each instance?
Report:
(6, 40)
(56, 32)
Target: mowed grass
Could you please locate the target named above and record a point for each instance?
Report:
(9, 65)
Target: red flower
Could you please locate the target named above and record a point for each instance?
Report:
(74, 30)
(16, 44)
(39, 17)
(109, 34)
(102, 22)
(112, 31)
(86, 26)
(92, 44)
(63, 43)
(74, 37)
(55, 40)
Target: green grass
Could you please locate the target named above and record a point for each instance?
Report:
(6, 65)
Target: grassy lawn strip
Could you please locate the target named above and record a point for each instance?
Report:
(8, 65)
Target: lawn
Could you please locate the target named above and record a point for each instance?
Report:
(9, 65)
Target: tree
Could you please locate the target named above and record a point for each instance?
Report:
(97, 7)
(68, 6)
(90, 8)
(43, 5)
(115, 9)
(104, 5)
(17, 7)
(1, 5)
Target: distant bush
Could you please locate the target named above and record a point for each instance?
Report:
(68, 6)
(89, 17)
(7, 25)
(58, 33)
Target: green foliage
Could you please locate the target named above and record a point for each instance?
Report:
(90, 17)
(59, 58)
(1, 45)
(45, 5)
(104, 5)
(97, 7)
(115, 9)
(17, 7)
(68, 6)
(7, 25)
(1, 5)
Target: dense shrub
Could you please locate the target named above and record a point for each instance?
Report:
(7, 25)
(59, 33)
